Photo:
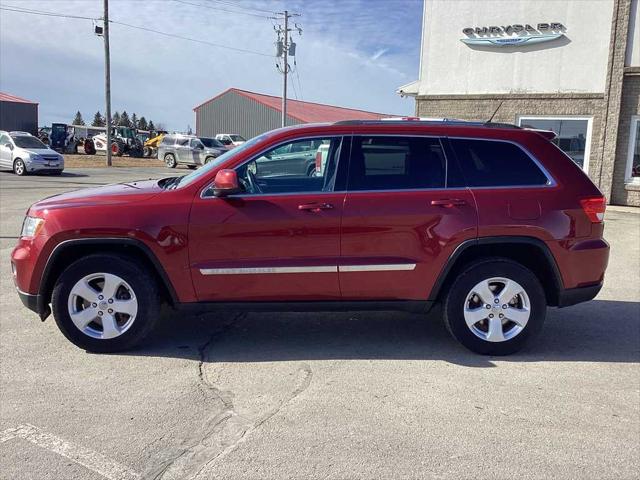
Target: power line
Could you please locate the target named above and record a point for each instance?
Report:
(236, 5)
(204, 42)
(218, 9)
(11, 8)
(166, 34)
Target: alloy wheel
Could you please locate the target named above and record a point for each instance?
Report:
(497, 309)
(102, 305)
(19, 167)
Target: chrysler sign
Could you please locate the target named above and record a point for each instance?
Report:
(516, 34)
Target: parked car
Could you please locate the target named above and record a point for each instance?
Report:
(186, 150)
(23, 153)
(493, 222)
(230, 140)
(296, 158)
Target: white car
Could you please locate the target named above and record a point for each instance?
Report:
(23, 153)
(230, 140)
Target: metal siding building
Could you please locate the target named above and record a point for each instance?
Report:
(18, 114)
(250, 114)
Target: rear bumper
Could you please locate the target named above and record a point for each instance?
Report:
(572, 296)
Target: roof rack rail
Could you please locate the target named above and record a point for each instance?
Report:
(444, 121)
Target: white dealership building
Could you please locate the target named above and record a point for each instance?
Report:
(571, 66)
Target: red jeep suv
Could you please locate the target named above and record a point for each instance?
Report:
(491, 220)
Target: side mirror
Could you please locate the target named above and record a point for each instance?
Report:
(9, 146)
(226, 183)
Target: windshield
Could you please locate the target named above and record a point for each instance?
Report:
(237, 138)
(27, 141)
(211, 142)
(203, 171)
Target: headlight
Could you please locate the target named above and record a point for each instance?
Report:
(34, 157)
(31, 226)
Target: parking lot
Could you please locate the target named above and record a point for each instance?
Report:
(319, 395)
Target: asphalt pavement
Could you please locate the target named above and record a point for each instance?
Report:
(319, 395)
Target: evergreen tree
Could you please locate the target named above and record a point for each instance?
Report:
(124, 119)
(115, 119)
(98, 120)
(134, 121)
(78, 120)
(142, 124)
(151, 125)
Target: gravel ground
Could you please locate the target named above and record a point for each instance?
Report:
(332, 395)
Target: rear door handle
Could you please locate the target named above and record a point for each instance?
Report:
(448, 202)
(315, 207)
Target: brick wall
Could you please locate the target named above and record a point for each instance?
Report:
(626, 194)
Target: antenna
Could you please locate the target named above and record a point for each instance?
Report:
(494, 112)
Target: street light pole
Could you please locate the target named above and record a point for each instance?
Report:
(107, 80)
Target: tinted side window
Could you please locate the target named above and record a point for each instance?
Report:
(391, 163)
(306, 165)
(489, 163)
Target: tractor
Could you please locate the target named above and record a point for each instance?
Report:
(151, 145)
(123, 140)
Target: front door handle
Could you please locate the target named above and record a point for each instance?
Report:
(315, 207)
(448, 202)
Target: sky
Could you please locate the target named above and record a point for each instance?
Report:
(352, 53)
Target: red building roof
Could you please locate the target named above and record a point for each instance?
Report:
(306, 112)
(6, 97)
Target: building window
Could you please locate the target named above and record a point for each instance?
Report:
(573, 135)
(632, 174)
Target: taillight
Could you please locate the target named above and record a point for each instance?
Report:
(594, 207)
(318, 162)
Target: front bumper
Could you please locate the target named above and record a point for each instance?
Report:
(572, 296)
(35, 303)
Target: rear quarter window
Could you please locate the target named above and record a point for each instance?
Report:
(168, 140)
(494, 163)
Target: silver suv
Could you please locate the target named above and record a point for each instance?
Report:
(23, 153)
(187, 150)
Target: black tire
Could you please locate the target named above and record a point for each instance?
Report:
(209, 159)
(170, 160)
(311, 170)
(146, 152)
(136, 275)
(89, 147)
(119, 150)
(19, 168)
(490, 268)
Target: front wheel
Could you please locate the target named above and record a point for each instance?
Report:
(495, 306)
(19, 168)
(105, 303)
(170, 160)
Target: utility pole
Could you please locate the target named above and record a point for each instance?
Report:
(285, 47)
(107, 79)
(285, 68)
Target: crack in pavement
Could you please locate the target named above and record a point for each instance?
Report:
(175, 465)
(304, 380)
(227, 429)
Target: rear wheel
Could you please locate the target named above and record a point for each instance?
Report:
(170, 160)
(89, 147)
(146, 151)
(117, 148)
(19, 167)
(105, 303)
(495, 306)
(311, 171)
